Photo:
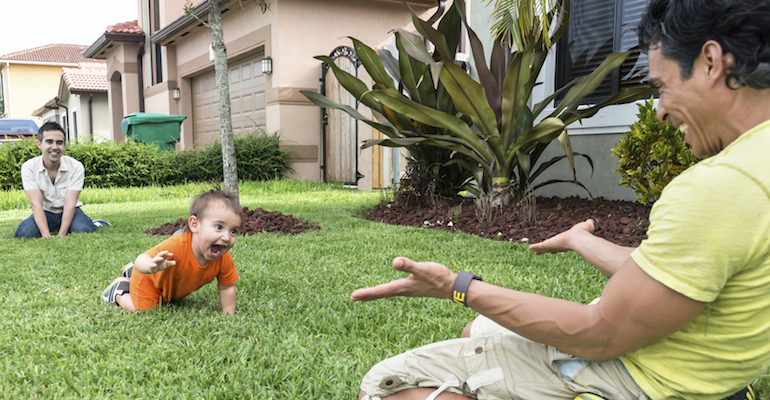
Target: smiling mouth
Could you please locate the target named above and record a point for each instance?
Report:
(683, 128)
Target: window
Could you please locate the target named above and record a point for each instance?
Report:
(596, 29)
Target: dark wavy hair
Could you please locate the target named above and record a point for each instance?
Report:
(203, 201)
(679, 28)
(49, 126)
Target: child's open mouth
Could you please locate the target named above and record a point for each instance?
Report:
(217, 250)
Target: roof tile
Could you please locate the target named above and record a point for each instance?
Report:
(125, 27)
(54, 53)
(89, 76)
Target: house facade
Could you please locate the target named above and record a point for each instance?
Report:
(161, 63)
(81, 103)
(29, 78)
(596, 28)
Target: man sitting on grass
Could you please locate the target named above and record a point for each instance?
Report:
(186, 261)
(53, 182)
(686, 315)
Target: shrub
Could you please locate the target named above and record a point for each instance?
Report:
(651, 155)
(258, 156)
(121, 164)
(139, 164)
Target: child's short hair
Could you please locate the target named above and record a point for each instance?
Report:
(202, 202)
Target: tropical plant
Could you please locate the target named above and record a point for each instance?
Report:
(493, 133)
(651, 154)
(427, 167)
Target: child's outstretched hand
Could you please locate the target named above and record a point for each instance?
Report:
(161, 262)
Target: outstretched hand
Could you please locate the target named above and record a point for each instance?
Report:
(563, 241)
(160, 262)
(426, 279)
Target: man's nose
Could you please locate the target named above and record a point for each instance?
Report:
(661, 113)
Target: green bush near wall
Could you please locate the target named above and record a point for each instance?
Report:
(651, 154)
(132, 163)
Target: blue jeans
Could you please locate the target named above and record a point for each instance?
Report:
(80, 223)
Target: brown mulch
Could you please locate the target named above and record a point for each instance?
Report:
(621, 222)
(254, 221)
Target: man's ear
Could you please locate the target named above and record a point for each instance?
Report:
(192, 222)
(717, 63)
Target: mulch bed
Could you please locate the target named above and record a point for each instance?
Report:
(254, 221)
(622, 222)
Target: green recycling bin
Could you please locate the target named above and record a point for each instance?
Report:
(159, 129)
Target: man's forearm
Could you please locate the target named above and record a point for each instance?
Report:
(606, 256)
(571, 327)
(66, 219)
(41, 221)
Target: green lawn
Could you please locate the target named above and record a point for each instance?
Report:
(295, 335)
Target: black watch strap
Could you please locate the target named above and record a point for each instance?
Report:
(460, 288)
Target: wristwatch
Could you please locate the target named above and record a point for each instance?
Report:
(460, 287)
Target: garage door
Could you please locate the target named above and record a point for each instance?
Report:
(247, 100)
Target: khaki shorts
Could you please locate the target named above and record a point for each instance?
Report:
(495, 363)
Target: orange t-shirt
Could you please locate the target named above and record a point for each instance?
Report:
(185, 277)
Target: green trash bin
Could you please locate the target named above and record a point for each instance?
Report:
(159, 129)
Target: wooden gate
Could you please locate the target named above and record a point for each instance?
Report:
(340, 131)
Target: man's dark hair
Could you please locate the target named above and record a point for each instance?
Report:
(679, 28)
(202, 202)
(49, 126)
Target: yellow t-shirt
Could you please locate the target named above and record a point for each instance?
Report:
(709, 239)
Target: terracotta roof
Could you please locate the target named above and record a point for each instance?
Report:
(53, 53)
(89, 76)
(125, 27)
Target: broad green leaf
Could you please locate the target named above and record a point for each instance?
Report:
(352, 84)
(624, 96)
(469, 98)
(406, 66)
(394, 100)
(451, 27)
(434, 36)
(587, 84)
(392, 142)
(547, 130)
(414, 47)
(390, 63)
(324, 102)
(511, 103)
(372, 63)
(567, 147)
(487, 79)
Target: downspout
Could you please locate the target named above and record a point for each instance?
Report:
(91, 116)
(67, 113)
(140, 74)
(6, 103)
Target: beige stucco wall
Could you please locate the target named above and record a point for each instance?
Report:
(292, 33)
(78, 103)
(122, 75)
(29, 86)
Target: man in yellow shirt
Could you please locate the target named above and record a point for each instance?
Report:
(684, 316)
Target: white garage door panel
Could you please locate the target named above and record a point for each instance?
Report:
(247, 101)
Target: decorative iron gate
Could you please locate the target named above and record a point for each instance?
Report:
(340, 131)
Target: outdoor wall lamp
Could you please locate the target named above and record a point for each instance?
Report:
(267, 65)
(176, 93)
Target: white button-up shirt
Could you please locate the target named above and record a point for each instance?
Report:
(69, 177)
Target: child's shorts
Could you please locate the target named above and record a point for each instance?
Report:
(143, 293)
(495, 363)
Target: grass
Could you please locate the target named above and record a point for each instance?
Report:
(296, 333)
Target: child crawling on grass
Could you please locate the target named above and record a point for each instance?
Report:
(186, 261)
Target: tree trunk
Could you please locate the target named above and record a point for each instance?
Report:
(229, 164)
